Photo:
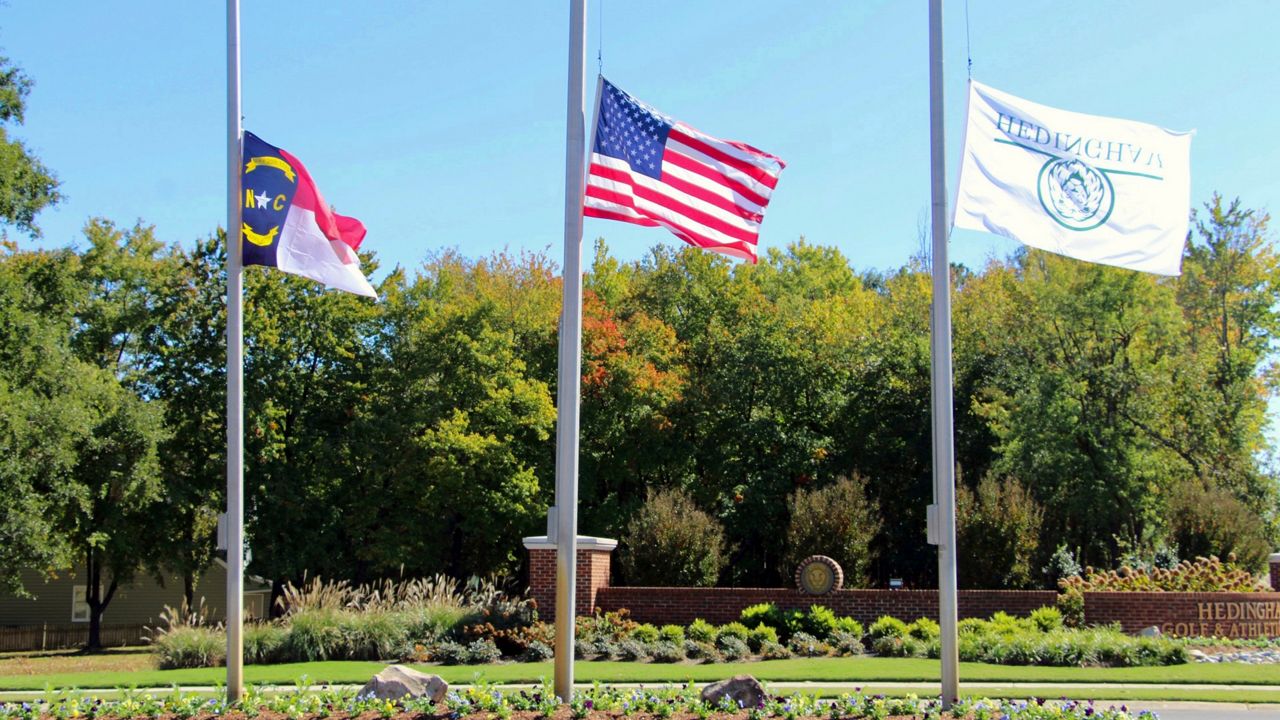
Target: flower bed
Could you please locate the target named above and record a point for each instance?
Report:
(488, 703)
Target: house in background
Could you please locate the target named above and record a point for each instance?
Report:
(58, 616)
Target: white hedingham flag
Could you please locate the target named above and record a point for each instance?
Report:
(1106, 190)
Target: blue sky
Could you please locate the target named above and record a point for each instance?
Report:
(441, 125)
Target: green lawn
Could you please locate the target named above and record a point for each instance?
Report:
(856, 669)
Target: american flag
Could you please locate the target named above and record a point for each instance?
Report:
(652, 170)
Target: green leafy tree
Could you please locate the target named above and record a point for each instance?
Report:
(839, 521)
(998, 531)
(26, 185)
(670, 541)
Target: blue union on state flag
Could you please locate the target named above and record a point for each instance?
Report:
(649, 169)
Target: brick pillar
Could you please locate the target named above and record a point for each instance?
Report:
(1274, 561)
(593, 573)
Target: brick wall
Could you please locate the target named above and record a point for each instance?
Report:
(1242, 615)
(593, 558)
(721, 605)
(1222, 614)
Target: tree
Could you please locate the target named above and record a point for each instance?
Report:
(998, 527)
(83, 470)
(26, 185)
(670, 541)
(839, 521)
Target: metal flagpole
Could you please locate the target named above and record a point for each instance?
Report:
(235, 369)
(943, 534)
(570, 359)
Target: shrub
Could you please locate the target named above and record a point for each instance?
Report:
(615, 625)
(1062, 564)
(191, 647)
(972, 626)
(482, 651)
(762, 635)
(820, 622)
(606, 649)
(890, 646)
(887, 626)
(1213, 521)
(1047, 619)
(264, 643)
(633, 650)
(774, 651)
(665, 651)
(645, 633)
(696, 650)
(537, 651)
(924, 629)
(840, 521)
(672, 634)
(847, 643)
(849, 626)
(669, 541)
(701, 631)
(733, 629)
(732, 647)
(999, 526)
(806, 645)
(451, 653)
(1201, 575)
(766, 613)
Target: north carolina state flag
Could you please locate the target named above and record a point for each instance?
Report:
(288, 225)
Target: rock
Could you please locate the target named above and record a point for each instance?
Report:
(744, 690)
(1197, 655)
(398, 681)
(1152, 631)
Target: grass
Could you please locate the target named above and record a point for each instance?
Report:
(127, 659)
(858, 670)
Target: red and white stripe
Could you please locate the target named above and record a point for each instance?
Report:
(712, 194)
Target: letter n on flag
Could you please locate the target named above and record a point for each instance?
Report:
(649, 169)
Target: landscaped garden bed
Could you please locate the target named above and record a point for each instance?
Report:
(489, 703)
(435, 621)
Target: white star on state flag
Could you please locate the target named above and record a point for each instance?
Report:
(262, 199)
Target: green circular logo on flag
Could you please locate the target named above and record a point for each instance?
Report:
(1074, 194)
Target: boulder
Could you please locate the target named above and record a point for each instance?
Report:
(1152, 631)
(744, 690)
(397, 681)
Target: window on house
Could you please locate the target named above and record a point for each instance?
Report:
(79, 604)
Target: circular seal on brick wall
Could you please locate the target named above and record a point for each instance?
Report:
(819, 575)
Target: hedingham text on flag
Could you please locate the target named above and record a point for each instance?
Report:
(1100, 189)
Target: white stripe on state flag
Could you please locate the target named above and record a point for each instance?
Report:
(304, 250)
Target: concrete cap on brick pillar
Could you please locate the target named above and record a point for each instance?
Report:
(585, 542)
